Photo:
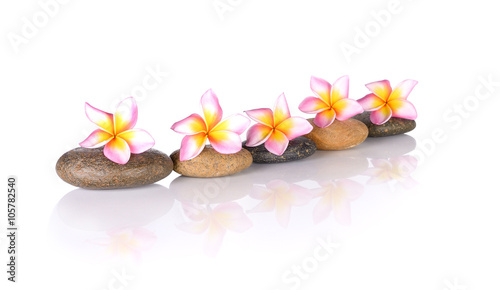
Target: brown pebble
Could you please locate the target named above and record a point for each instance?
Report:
(339, 135)
(89, 168)
(211, 163)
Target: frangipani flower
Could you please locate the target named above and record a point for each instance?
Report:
(279, 196)
(331, 102)
(336, 196)
(386, 102)
(117, 132)
(224, 136)
(397, 168)
(275, 129)
(215, 222)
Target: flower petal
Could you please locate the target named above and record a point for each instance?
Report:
(403, 89)
(321, 88)
(117, 150)
(381, 88)
(403, 109)
(313, 105)
(211, 109)
(294, 127)
(276, 143)
(225, 142)
(281, 111)
(340, 90)
(125, 116)
(381, 115)
(96, 139)
(138, 140)
(346, 108)
(325, 118)
(371, 102)
(191, 125)
(263, 116)
(192, 145)
(258, 134)
(100, 118)
(235, 123)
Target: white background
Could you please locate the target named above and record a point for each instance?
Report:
(442, 233)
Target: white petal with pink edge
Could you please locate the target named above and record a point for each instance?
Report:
(313, 105)
(211, 109)
(225, 142)
(403, 109)
(100, 118)
(263, 116)
(190, 125)
(294, 127)
(380, 116)
(403, 89)
(325, 118)
(371, 102)
(96, 139)
(192, 145)
(321, 88)
(117, 150)
(258, 134)
(235, 123)
(125, 116)
(138, 140)
(346, 108)
(276, 143)
(340, 90)
(381, 88)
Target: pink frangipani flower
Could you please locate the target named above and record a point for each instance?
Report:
(224, 135)
(384, 102)
(331, 102)
(117, 132)
(275, 129)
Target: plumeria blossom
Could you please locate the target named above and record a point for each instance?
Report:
(397, 168)
(127, 242)
(214, 222)
(117, 132)
(279, 196)
(224, 135)
(331, 102)
(275, 129)
(384, 102)
(336, 196)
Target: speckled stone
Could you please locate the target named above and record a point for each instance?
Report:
(211, 163)
(89, 168)
(298, 148)
(394, 126)
(339, 135)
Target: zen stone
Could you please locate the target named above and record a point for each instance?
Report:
(211, 163)
(339, 135)
(394, 126)
(298, 148)
(89, 168)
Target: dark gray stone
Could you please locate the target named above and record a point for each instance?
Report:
(394, 126)
(298, 148)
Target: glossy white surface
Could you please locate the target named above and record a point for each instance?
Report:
(416, 211)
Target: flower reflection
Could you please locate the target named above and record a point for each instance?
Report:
(214, 221)
(280, 196)
(336, 196)
(128, 242)
(397, 168)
